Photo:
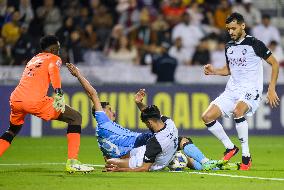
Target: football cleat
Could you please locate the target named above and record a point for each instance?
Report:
(73, 165)
(229, 153)
(231, 166)
(212, 164)
(246, 163)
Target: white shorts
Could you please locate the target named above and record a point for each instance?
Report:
(136, 157)
(228, 100)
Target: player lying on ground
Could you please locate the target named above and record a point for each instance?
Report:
(243, 92)
(116, 141)
(30, 97)
(157, 153)
(159, 149)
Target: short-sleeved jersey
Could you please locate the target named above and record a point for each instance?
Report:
(39, 72)
(245, 62)
(161, 148)
(114, 140)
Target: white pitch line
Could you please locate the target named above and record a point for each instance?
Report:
(47, 163)
(198, 173)
(31, 164)
(237, 176)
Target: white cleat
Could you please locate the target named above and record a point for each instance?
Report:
(73, 165)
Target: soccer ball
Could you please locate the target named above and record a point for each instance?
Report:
(179, 162)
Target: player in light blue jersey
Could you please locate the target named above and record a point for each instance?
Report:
(114, 140)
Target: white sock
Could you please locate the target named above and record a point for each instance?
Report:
(217, 130)
(242, 129)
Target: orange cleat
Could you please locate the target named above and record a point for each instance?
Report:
(246, 163)
(229, 153)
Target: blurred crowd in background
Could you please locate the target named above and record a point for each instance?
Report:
(141, 32)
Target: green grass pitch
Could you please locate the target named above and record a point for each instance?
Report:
(267, 152)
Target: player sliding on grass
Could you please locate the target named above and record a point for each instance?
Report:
(30, 97)
(116, 141)
(243, 92)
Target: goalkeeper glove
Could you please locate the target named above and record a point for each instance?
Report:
(59, 102)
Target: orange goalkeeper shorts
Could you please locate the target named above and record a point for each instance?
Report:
(42, 109)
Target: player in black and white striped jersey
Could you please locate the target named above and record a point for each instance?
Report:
(159, 149)
(244, 55)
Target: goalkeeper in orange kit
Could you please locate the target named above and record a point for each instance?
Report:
(30, 97)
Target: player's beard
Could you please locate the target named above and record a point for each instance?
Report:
(239, 35)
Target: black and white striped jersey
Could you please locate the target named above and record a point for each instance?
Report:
(245, 62)
(161, 148)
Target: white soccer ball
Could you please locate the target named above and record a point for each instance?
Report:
(179, 162)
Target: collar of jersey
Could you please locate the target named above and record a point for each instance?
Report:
(162, 128)
(239, 42)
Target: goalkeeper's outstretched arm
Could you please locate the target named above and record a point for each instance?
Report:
(91, 92)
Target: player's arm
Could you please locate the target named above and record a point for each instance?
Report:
(210, 70)
(139, 96)
(263, 52)
(144, 168)
(54, 75)
(91, 92)
(272, 97)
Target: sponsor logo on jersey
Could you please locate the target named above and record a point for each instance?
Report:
(238, 61)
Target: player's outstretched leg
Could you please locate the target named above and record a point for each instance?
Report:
(199, 162)
(209, 117)
(7, 137)
(74, 120)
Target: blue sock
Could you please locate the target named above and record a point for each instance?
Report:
(192, 151)
(197, 165)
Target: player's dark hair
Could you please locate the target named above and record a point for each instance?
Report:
(104, 104)
(47, 41)
(235, 16)
(150, 112)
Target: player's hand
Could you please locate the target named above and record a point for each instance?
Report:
(111, 168)
(140, 95)
(59, 103)
(73, 69)
(208, 69)
(272, 98)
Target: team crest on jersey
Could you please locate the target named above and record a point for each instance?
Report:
(248, 96)
(244, 51)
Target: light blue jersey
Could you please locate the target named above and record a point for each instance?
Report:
(114, 140)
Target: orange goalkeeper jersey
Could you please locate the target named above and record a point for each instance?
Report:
(39, 72)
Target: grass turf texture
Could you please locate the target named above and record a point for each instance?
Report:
(267, 152)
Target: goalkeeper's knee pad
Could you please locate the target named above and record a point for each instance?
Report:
(74, 129)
